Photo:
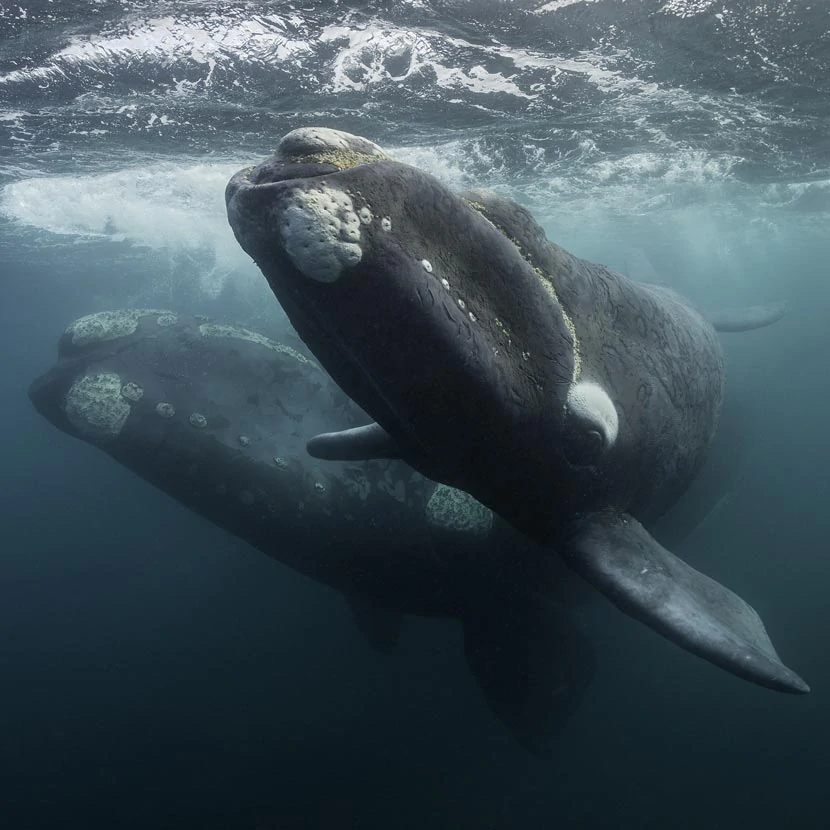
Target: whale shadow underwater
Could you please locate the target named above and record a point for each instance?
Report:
(575, 403)
(217, 417)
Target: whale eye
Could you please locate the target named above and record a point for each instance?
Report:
(591, 424)
(584, 448)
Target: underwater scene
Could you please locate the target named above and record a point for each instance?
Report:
(415, 414)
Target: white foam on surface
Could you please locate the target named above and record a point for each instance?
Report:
(688, 8)
(590, 202)
(174, 209)
(556, 5)
(366, 54)
(162, 40)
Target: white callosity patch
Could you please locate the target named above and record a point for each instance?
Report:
(321, 232)
(455, 511)
(108, 325)
(95, 406)
(311, 140)
(427, 265)
(132, 392)
(590, 404)
(386, 223)
(168, 319)
(222, 330)
(165, 410)
(198, 420)
(365, 215)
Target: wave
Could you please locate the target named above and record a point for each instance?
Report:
(563, 76)
(700, 123)
(171, 210)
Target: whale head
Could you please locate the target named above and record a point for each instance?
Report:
(425, 312)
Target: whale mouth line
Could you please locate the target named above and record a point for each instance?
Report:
(285, 167)
(402, 425)
(247, 178)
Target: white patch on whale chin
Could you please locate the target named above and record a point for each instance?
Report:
(95, 406)
(109, 325)
(321, 233)
(456, 511)
(590, 403)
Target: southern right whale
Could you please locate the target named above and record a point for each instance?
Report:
(572, 401)
(137, 384)
(217, 416)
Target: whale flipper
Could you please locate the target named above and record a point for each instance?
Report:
(357, 444)
(746, 319)
(619, 557)
(531, 662)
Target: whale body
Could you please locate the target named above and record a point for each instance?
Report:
(577, 404)
(217, 416)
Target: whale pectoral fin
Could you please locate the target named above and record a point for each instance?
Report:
(619, 557)
(531, 662)
(746, 319)
(357, 444)
(381, 626)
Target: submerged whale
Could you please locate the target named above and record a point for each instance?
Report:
(218, 416)
(576, 403)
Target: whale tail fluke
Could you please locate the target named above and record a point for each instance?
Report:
(531, 662)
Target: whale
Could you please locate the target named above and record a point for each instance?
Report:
(577, 404)
(217, 416)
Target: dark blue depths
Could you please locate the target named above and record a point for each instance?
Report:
(155, 671)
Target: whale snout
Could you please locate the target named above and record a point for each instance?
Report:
(306, 153)
(44, 392)
(333, 145)
(276, 204)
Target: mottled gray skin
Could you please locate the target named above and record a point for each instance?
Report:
(657, 357)
(446, 442)
(572, 401)
(374, 531)
(354, 526)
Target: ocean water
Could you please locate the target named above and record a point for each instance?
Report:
(159, 673)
